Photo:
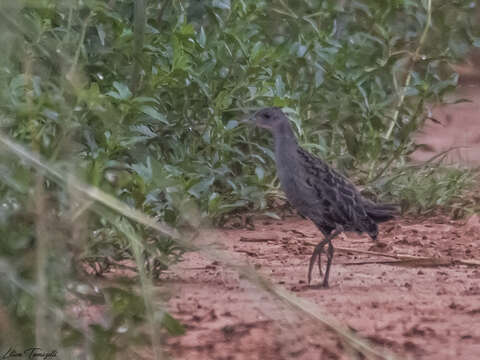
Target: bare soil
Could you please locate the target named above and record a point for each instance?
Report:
(452, 133)
(417, 312)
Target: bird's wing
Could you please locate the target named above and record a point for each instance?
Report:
(339, 200)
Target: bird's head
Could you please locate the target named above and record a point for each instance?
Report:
(270, 118)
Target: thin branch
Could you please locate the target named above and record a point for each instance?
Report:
(162, 10)
(413, 59)
(138, 37)
(73, 68)
(407, 262)
(419, 262)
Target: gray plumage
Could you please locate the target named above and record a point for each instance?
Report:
(319, 192)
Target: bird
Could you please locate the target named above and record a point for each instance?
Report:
(319, 192)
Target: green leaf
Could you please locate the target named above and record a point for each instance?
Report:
(319, 77)
(202, 38)
(173, 326)
(124, 302)
(146, 99)
(101, 34)
(279, 86)
(154, 114)
(351, 140)
(213, 202)
(122, 93)
(260, 173)
(187, 30)
(144, 130)
(221, 4)
(144, 170)
(231, 124)
(201, 187)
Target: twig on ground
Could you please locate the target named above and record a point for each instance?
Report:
(258, 239)
(468, 262)
(404, 259)
(376, 253)
(249, 253)
(421, 262)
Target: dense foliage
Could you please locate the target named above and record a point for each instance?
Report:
(144, 99)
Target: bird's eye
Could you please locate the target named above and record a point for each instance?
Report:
(266, 116)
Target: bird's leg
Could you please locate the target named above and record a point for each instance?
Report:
(320, 262)
(320, 271)
(316, 253)
(329, 263)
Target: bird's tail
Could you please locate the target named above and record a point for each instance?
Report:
(382, 212)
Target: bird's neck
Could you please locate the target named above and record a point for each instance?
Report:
(286, 155)
(284, 137)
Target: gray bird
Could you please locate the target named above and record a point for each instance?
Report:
(318, 192)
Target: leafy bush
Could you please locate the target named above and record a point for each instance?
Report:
(144, 100)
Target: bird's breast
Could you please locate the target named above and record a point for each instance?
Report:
(290, 176)
(286, 167)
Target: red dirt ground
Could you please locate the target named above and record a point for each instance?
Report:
(417, 312)
(454, 130)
